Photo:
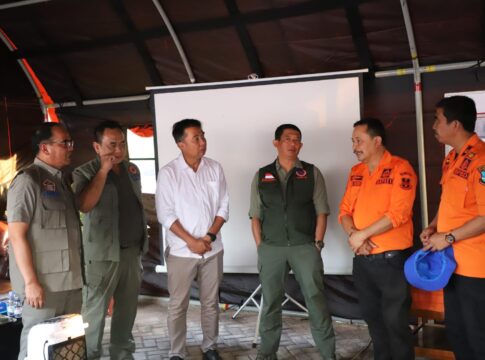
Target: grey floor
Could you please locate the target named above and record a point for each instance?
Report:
(236, 336)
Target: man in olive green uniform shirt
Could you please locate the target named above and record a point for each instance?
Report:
(288, 219)
(108, 189)
(45, 233)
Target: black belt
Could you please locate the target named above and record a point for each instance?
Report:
(382, 255)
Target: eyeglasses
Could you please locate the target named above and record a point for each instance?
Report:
(65, 143)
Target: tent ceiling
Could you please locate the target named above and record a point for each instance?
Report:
(91, 49)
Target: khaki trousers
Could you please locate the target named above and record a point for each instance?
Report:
(208, 274)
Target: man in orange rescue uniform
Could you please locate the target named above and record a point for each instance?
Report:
(376, 214)
(460, 222)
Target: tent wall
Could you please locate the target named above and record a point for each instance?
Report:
(390, 99)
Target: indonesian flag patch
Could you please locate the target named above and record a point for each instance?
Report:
(268, 177)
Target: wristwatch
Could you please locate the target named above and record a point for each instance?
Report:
(450, 238)
(212, 236)
(319, 244)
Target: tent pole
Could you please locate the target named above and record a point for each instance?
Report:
(20, 3)
(419, 114)
(431, 68)
(175, 39)
(23, 66)
(102, 101)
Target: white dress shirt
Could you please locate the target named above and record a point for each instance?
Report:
(192, 198)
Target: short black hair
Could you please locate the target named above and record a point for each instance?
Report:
(375, 127)
(178, 129)
(101, 127)
(279, 130)
(42, 133)
(460, 108)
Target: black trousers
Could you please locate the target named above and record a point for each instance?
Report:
(385, 301)
(465, 316)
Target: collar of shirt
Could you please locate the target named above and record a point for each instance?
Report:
(385, 159)
(52, 170)
(282, 172)
(182, 164)
(471, 142)
(452, 159)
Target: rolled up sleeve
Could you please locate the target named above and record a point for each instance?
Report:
(346, 203)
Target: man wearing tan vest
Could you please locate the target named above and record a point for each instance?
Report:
(44, 233)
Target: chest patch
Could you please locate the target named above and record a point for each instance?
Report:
(48, 185)
(268, 177)
(385, 177)
(301, 174)
(356, 180)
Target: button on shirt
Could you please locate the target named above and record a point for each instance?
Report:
(192, 198)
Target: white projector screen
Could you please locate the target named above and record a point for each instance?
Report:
(239, 120)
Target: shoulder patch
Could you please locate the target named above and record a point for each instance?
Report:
(405, 183)
(133, 172)
(481, 170)
(132, 169)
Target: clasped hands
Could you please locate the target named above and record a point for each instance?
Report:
(360, 243)
(200, 245)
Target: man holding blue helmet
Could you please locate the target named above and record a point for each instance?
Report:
(460, 223)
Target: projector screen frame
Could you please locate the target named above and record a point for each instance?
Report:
(247, 83)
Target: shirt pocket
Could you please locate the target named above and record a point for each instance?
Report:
(454, 191)
(101, 230)
(213, 189)
(49, 262)
(53, 212)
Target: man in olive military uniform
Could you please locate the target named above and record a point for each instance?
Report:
(44, 233)
(288, 219)
(108, 190)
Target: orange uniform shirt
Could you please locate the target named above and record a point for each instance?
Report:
(462, 199)
(388, 191)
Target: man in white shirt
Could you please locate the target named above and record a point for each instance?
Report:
(192, 205)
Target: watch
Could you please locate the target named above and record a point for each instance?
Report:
(319, 244)
(450, 238)
(212, 236)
